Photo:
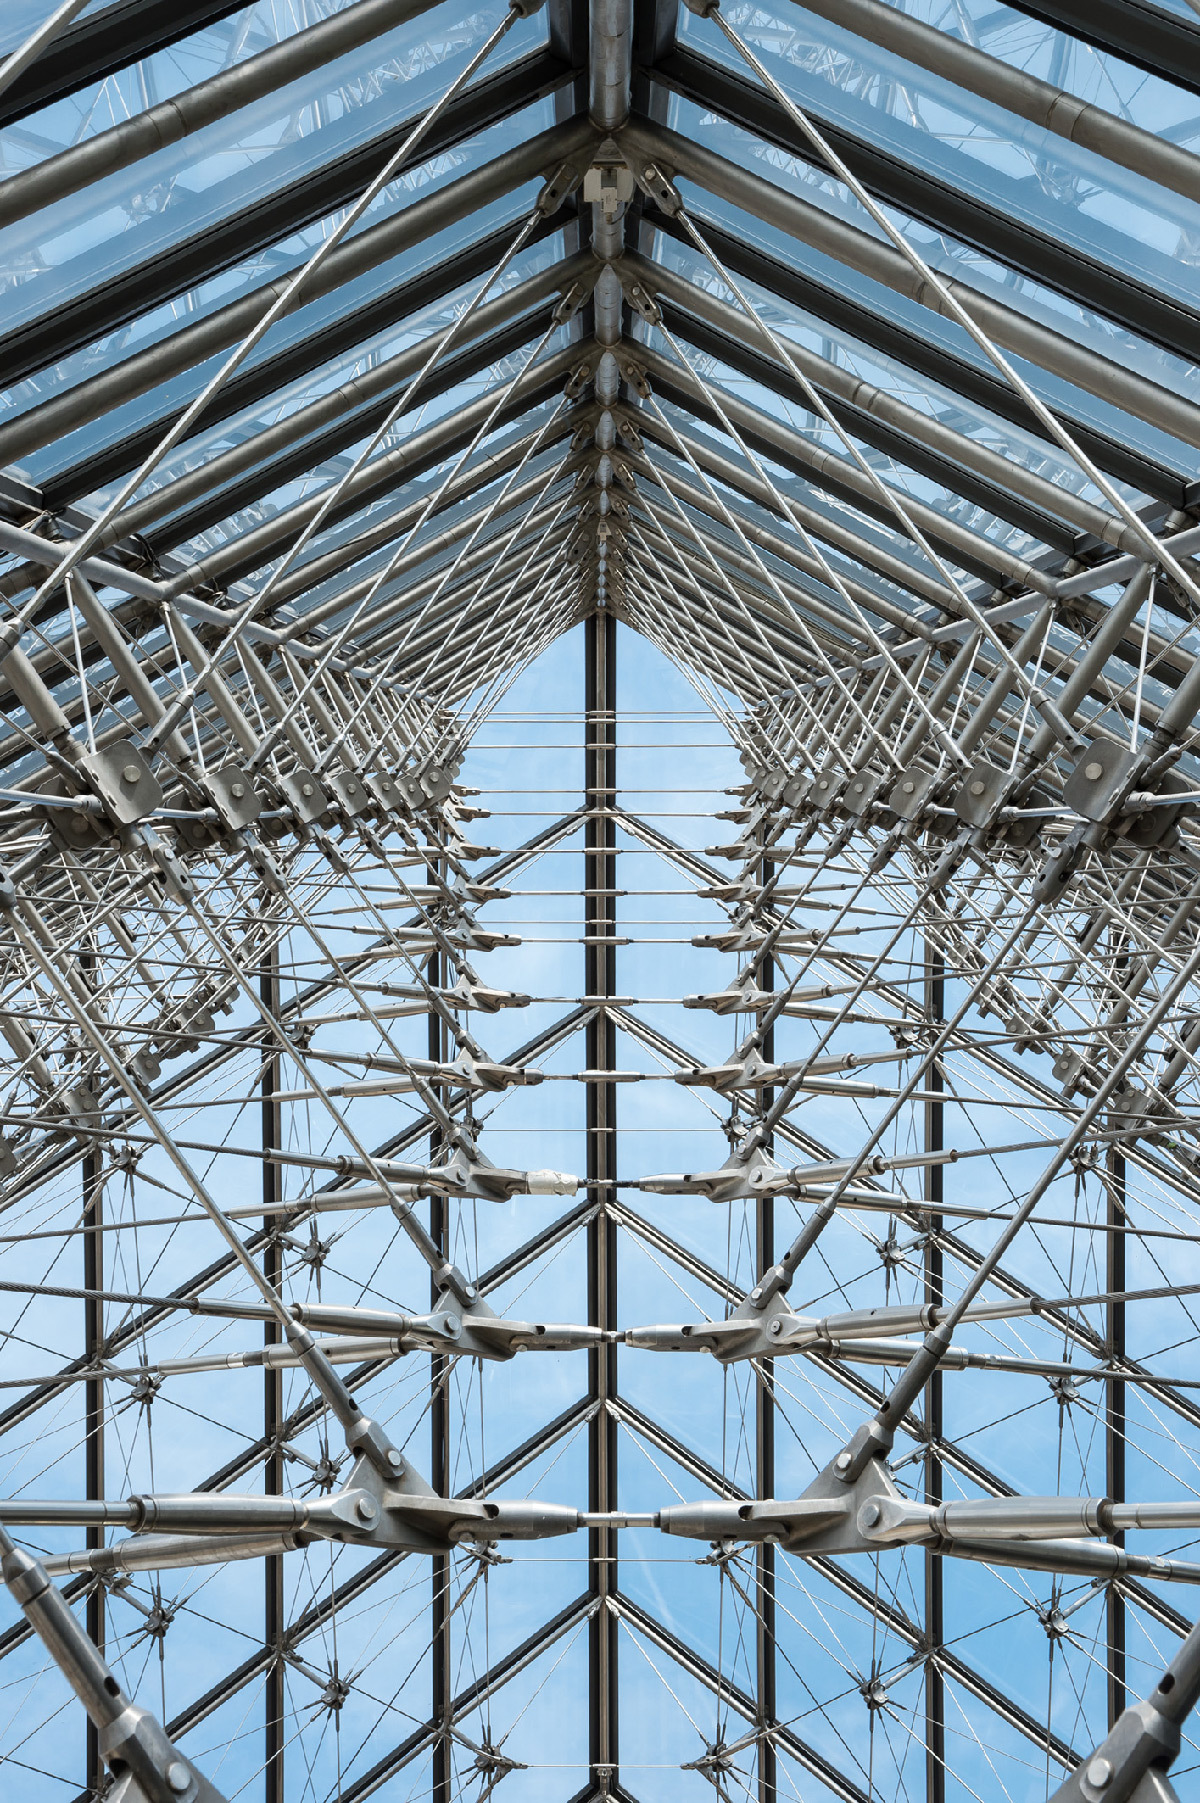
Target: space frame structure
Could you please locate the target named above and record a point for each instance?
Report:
(702, 1293)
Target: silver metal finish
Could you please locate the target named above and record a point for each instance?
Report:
(815, 635)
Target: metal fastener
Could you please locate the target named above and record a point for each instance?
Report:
(1093, 771)
(237, 790)
(130, 774)
(978, 786)
(1099, 1773)
(178, 1776)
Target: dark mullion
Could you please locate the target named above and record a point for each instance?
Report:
(1114, 1419)
(676, 389)
(274, 1601)
(764, 1426)
(600, 980)
(1148, 36)
(442, 1773)
(317, 351)
(544, 380)
(104, 42)
(935, 1687)
(312, 453)
(93, 1316)
(859, 424)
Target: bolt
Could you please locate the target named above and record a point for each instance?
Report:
(178, 1776)
(1093, 772)
(1099, 1773)
(775, 1328)
(130, 774)
(977, 787)
(453, 1327)
(395, 1458)
(908, 785)
(237, 790)
(843, 1461)
(306, 789)
(869, 1514)
(368, 1508)
(352, 788)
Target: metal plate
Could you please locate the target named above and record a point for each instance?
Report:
(1098, 778)
(124, 781)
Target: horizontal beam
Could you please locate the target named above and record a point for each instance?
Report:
(1002, 481)
(1150, 37)
(918, 352)
(383, 474)
(1053, 109)
(344, 417)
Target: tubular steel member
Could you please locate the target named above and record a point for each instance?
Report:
(146, 1766)
(1131, 1764)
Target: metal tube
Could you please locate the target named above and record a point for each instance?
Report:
(194, 344)
(1016, 332)
(15, 65)
(368, 385)
(218, 690)
(923, 428)
(255, 547)
(120, 655)
(32, 190)
(1040, 102)
(793, 449)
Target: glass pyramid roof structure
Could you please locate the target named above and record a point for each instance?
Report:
(599, 959)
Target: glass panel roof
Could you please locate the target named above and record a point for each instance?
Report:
(598, 942)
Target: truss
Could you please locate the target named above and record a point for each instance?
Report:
(496, 1316)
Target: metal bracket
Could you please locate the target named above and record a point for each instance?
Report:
(912, 790)
(304, 794)
(350, 792)
(981, 793)
(123, 780)
(231, 791)
(1100, 779)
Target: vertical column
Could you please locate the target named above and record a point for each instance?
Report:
(442, 1774)
(600, 980)
(1114, 1419)
(764, 1432)
(93, 1393)
(935, 1700)
(273, 1596)
(93, 1405)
